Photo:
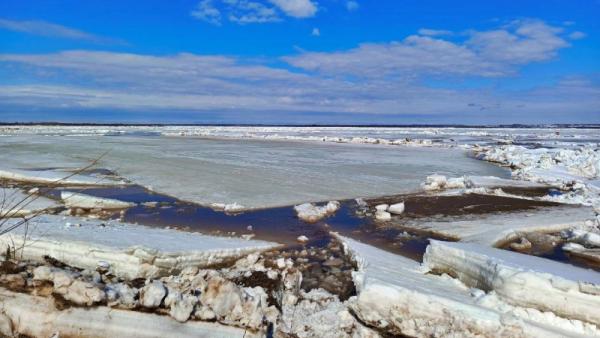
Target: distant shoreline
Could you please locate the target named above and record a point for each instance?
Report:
(466, 126)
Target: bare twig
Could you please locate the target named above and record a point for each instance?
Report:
(32, 196)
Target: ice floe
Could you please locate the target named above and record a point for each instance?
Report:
(493, 229)
(311, 213)
(396, 209)
(131, 250)
(396, 295)
(35, 316)
(15, 203)
(79, 200)
(56, 177)
(254, 174)
(521, 280)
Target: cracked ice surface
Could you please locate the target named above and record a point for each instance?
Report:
(252, 173)
(132, 250)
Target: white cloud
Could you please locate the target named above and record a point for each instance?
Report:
(351, 5)
(433, 32)
(315, 32)
(373, 79)
(577, 35)
(206, 11)
(521, 42)
(296, 8)
(486, 53)
(243, 11)
(54, 30)
(247, 11)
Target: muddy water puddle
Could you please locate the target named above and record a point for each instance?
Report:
(281, 224)
(423, 206)
(548, 245)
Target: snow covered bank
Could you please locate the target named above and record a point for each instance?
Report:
(33, 316)
(493, 229)
(521, 280)
(441, 182)
(581, 162)
(78, 200)
(576, 168)
(16, 203)
(132, 251)
(497, 182)
(397, 296)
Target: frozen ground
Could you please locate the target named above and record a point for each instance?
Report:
(252, 173)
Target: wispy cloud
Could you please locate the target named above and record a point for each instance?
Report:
(351, 5)
(44, 28)
(577, 35)
(373, 79)
(206, 11)
(296, 8)
(434, 32)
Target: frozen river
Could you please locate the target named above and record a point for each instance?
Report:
(253, 173)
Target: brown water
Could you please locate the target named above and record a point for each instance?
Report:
(281, 224)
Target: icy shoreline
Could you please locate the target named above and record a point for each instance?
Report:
(464, 288)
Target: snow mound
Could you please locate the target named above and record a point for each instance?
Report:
(583, 161)
(521, 280)
(576, 168)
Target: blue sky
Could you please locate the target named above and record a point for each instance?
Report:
(300, 61)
